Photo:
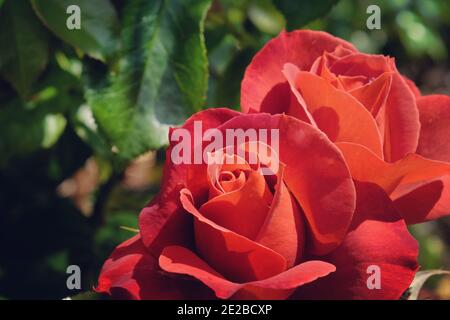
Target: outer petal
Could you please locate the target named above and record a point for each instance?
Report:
(315, 173)
(132, 273)
(424, 201)
(412, 86)
(163, 221)
(378, 237)
(434, 140)
(419, 186)
(236, 257)
(180, 260)
(401, 120)
(263, 76)
(337, 113)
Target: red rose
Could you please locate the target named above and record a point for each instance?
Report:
(362, 103)
(227, 231)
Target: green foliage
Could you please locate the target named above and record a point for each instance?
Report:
(42, 127)
(299, 13)
(265, 16)
(24, 52)
(109, 91)
(28, 126)
(161, 76)
(111, 234)
(98, 34)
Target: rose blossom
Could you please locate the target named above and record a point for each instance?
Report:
(389, 134)
(226, 231)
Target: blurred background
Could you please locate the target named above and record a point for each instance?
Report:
(78, 159)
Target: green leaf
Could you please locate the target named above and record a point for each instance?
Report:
(161, 77)
(299, 13)
(27, 127)
(420, 279)
(225, 88)
(97, 36)
(418, 38)
(86, 128)
(134, 230)
(24, 131)
(266, 17)
(88, 295)
(24, 48)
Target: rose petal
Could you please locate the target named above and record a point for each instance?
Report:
(315, 173)
(366, 77)
(374, 94)
(328, 58)
(180, 260)
(214, 169)
(321, 68)
(132, 273)
(435, 127)
(291, 72)
(301, 47)
(425, 201)
(282, 283)
(236, 257)
(284, 229)
(242, 211)
(424, 182)
(412, 86)
(176, 259)
(337, 113)
(351, 82)
(401, 120)
(369, 65)
(235, 184)
(378, 237)
(163, 221)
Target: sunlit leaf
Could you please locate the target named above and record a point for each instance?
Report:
(419, 38)
(134, 230)
(266, 17)
(420, 279)
(161, 78)
(98, 21)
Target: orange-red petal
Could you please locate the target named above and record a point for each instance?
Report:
(300, 47)
(180, 260)
(419, 186)
(434, 142)
(232, 255)
(337, 113)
